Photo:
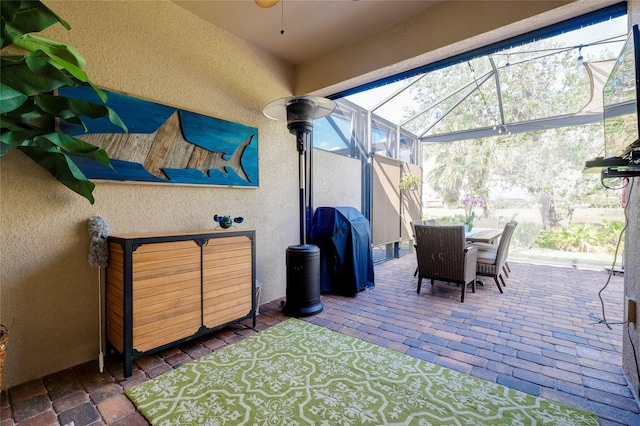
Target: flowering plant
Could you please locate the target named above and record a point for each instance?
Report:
(469, 203)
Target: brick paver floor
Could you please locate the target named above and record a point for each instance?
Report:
(543, 336)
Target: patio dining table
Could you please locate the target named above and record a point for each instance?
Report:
(483, 235)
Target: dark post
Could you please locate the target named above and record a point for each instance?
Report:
(303, 260)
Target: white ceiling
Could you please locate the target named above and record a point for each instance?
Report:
(312, 27)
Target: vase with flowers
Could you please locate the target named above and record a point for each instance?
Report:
(469, 203)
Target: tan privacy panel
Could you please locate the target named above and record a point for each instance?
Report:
(411, 201)
(385, 199)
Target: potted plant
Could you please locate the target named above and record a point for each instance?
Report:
(469, 203)
(410, 181)
(29, 108)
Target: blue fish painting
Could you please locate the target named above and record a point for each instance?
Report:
(166, 144)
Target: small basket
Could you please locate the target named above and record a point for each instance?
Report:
(4, 336)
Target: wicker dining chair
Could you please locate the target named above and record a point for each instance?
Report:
(492, 261)
(444, 255)
(413, 224)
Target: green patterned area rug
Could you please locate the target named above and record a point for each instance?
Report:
(297, 373)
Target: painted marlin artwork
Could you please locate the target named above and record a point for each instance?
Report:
(166, 144)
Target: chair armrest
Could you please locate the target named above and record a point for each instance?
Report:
(471, 252)
(470, 262)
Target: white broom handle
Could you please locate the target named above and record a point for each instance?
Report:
(101, 354)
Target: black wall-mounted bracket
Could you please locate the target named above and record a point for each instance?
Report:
(610, 173)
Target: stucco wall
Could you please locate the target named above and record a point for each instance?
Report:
(158, 51)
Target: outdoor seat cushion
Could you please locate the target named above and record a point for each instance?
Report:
(487, 256)
(486, 246)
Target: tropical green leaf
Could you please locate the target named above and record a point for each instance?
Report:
(71, 68)
(29, 107)
(10, 99)
(76, 147)
(64, 107)
(71, 108)
(4, 149)
(9, 10)
(13, 137)
(40, 72)
(21, 17)
(34, 75)
(26, 116)
(11, 122)
(64, 53)
(101, 95)
(16, 137)
(42, 65)
(115, 119)
(63, 169)
(78, 122)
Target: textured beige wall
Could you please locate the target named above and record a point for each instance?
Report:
(158, 51)
(631, 349)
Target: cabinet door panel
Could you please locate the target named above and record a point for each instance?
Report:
(227, 279)
(223, 294)
(228, 310)
(215, 270)
(155, 306)
(166, 283)
(151, 336)
(166, 293)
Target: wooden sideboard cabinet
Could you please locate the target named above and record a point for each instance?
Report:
(165, 289)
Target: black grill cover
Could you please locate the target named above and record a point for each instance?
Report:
(346, 258)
